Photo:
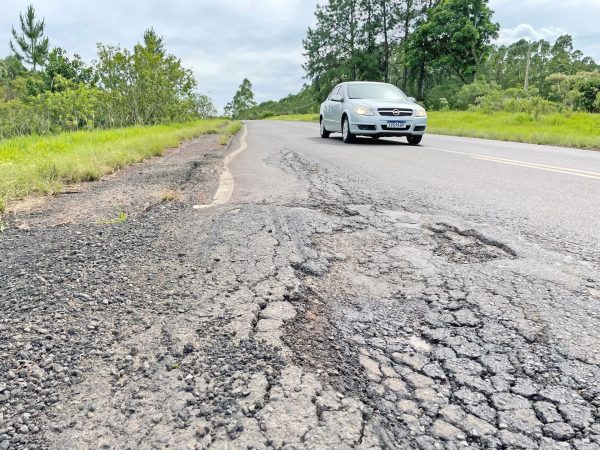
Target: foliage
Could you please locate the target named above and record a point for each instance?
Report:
(242, 102)
(507, 64)
(455, 37)
(516, 100)
(146, 86)
(355, 40)
(580, 91)
(31, 45)
(470, 94)
(43, 164)
(303, 102)
(60, 67)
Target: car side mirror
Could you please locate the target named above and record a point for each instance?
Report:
(412, 99)
(337, 98)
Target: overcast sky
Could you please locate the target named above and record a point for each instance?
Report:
(224, 41)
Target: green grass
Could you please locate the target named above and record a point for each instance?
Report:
(121, 217)
(44, 164)
(298, 117)
(578, 130)
(228, 131)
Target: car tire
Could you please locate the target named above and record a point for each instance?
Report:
(414, 139)
(324, 133)
(347, 136)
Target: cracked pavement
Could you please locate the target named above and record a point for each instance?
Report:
(324, 307)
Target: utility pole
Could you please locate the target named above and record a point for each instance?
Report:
(528, 67)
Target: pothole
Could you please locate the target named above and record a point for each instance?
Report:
(467, 246)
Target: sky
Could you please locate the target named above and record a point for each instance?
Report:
(224, 41)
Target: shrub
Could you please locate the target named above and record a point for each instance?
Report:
(469, 94)
(580, 92)
(516, 100)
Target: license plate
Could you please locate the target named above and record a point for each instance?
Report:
(397, 124)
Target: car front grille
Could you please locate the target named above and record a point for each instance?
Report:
(395, 112)
(386, 128)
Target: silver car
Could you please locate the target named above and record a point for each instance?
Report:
(372, 109)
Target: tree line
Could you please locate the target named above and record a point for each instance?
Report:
(44, 90)
(442, 52)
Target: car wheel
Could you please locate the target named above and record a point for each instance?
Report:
(414, 139)
(347, 136)
(324, 133)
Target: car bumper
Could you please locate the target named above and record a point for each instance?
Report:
(377, 126)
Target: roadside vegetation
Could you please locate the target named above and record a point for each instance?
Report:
(578, 130)
(311, 117)
(44, 90)
(64, 121)
(45, 164)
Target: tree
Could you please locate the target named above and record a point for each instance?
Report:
(242, 101)
(31, 45)
(455, 38)
(73, 70)
(146, 86)
(204, 106)
(11, 68)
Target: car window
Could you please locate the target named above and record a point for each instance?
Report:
(375, 91)
(334, 91)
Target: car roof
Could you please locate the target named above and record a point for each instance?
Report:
(365, 82)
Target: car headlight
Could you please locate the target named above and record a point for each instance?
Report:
(420, 112)
(363, 111)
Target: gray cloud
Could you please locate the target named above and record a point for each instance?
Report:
(224, 41)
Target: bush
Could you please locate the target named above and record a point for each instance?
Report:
(516, 100)
(434, 96)
(580, 92)
(19, 119)
(469, 94)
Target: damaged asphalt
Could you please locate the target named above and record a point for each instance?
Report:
(319, 308)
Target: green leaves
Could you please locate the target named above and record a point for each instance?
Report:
(455, 37)
(30, 45)
(243, 100)
(146, 86)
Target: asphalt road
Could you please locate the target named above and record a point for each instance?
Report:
(300, 293)
(549, 194)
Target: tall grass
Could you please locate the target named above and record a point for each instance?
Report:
(580, 130)
(43, 165)
(297, 117)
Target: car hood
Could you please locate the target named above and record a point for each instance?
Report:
(378, 103)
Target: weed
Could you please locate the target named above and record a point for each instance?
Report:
(3, 227)
(121, 217)
(170, 196)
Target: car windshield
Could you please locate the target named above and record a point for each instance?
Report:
(377, 91)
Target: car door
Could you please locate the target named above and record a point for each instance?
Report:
(328, 109)
(337, 108)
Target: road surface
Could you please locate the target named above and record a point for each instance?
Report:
(374, 295)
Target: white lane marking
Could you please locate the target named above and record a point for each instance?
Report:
(530, 165)
(226, 181)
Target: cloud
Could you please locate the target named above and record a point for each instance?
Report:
(221, 41)
(526, 31)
